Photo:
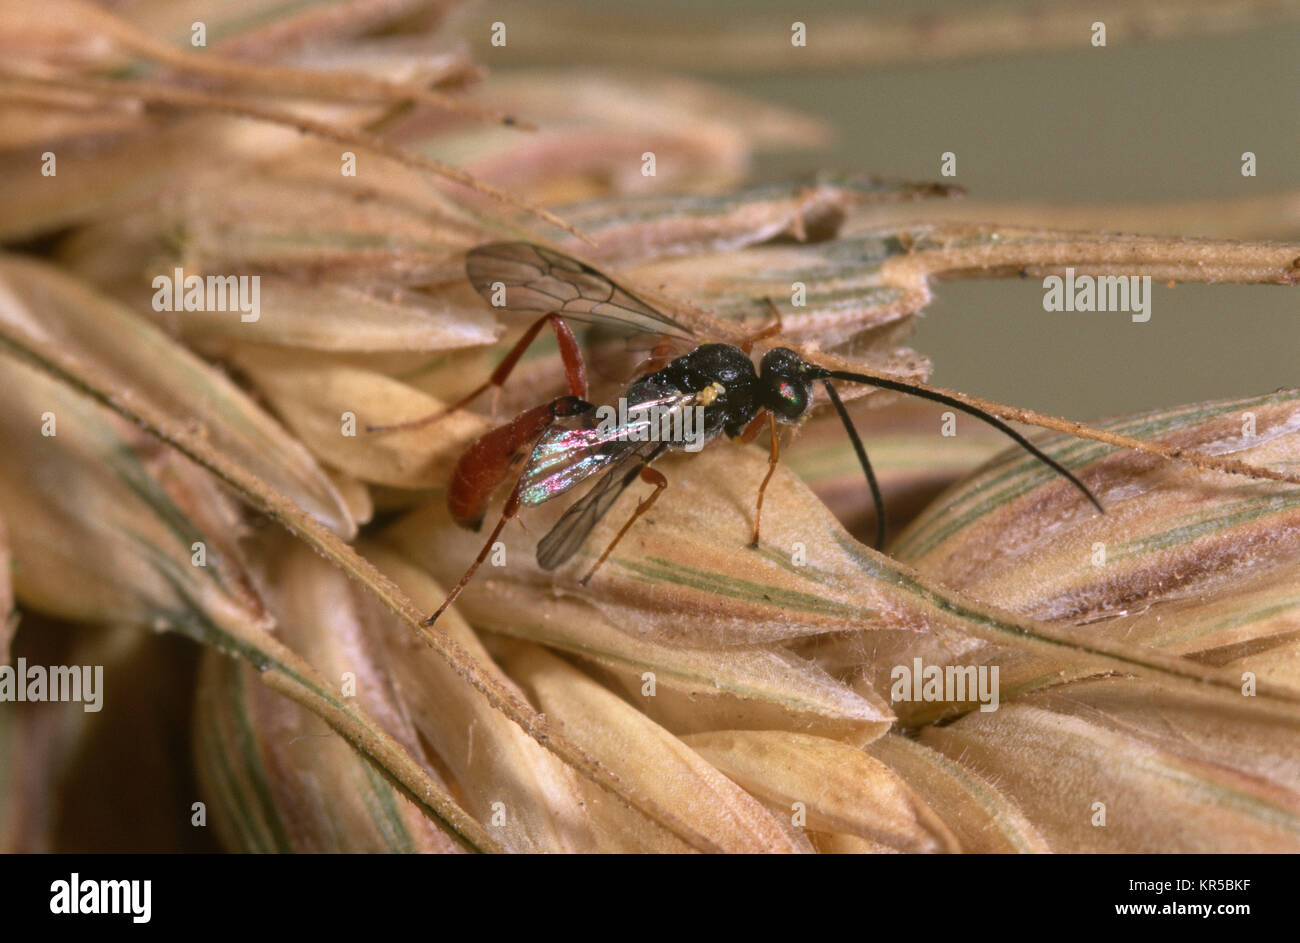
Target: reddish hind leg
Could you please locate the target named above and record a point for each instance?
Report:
(575, 371)
(482, 468)
(510, 510)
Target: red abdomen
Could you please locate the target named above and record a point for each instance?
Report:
(485, 463)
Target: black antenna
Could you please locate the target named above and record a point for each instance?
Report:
(898, 386)
(876, 499)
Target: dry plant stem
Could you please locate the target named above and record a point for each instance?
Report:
(387, 756)
(204, 101)
(331, 86)
(398, 767)
(286, 672)
(1177, 259)
(1273, 215)
(257, 493)
(13, 92)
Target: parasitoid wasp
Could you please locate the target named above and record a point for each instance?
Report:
(565, 448)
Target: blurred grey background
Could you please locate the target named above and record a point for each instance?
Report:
(1144, 122)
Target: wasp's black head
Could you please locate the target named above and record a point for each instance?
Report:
(786, 387)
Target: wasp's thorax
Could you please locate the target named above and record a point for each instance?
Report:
(722, 373)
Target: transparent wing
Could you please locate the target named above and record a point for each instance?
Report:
(564, 458)
(571, 531)
(615, 353)
(520, 276)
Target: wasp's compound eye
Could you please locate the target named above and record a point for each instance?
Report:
(793, 399)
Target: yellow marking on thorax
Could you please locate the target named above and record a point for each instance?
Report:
(706, 396)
